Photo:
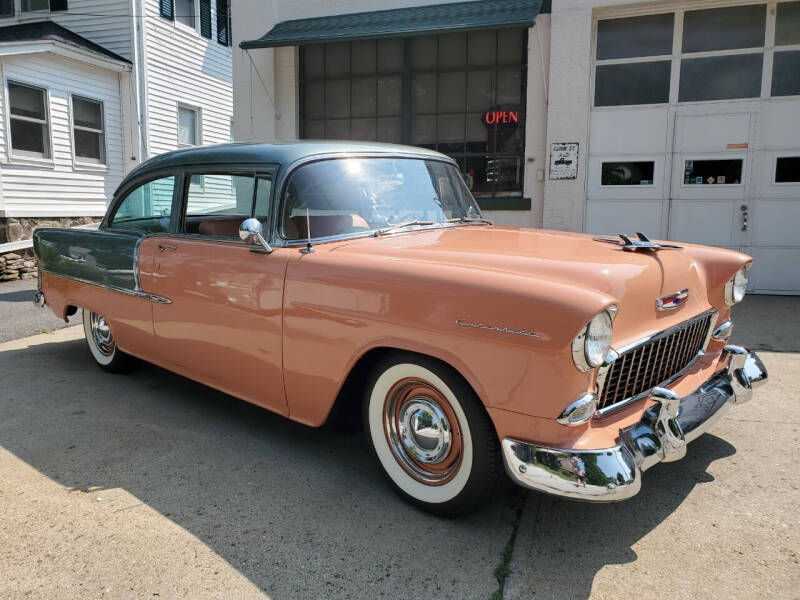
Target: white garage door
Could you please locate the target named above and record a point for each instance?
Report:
(695, 132)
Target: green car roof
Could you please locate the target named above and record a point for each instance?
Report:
(281, 153)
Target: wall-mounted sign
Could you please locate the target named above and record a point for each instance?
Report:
(501, 117)
(564, 161)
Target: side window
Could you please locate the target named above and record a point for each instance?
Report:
(216, 204)
(147, 208)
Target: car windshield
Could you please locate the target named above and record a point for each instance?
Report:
(362, 195)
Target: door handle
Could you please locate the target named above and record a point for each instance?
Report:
(744, 208)
(165, 247)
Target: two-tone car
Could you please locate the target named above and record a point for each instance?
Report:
(359, 283)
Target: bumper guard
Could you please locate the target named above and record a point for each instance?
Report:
(666, 427)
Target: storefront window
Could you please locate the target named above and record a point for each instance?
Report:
(462, 94)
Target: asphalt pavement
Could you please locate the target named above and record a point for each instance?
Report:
(149, 485)
(18, 315)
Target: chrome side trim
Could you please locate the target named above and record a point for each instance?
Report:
(113, 288)
(136, 280)
(525, 332)
(611, 474)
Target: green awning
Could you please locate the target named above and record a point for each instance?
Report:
(401, 22)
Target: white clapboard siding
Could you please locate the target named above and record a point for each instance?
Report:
(185, 68)
(105, 22)
(64, 189)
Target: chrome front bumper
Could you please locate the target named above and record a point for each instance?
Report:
(615, 473)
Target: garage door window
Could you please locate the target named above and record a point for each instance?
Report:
(787, 169)
(713, 172)
(645, 79)
(698, 55)
(627, 173)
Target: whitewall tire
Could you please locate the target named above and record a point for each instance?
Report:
(102, 345)
(431, 434)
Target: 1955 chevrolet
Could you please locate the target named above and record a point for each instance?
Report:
(341, 281)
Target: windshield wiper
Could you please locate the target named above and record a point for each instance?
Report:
(401, 225)
(470, 220)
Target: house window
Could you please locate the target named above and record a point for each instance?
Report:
(88, 130)
(462, 94)
(185, 13)
(6, 8)
(34, 5)
(188, 126)
(223, 22)
(28, 118)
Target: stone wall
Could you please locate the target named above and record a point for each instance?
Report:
(17, 265)
(14, 229)
(21, 264)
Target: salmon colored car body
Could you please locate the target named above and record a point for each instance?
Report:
(359, 283)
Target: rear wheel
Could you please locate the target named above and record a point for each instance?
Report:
(102, 345)
(431, 435)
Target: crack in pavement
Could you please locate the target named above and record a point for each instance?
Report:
(503, 570)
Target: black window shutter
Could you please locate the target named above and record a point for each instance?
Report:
(58, 5)
(205, 18)
(167, 9)
(223, 23)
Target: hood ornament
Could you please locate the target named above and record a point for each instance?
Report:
(643, 243)
(671, 301)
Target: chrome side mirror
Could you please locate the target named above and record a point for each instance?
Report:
(252, 231)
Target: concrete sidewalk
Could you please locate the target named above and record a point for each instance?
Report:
(149, 485)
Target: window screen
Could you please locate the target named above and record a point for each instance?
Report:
(188, 127)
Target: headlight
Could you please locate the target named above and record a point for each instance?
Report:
(591, 346)
(736, 288)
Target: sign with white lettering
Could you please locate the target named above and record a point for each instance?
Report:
(564, 161)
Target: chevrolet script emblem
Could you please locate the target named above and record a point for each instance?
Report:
(671, 301)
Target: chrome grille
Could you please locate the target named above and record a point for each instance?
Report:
(654, 362)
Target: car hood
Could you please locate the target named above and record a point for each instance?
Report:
(634, 280)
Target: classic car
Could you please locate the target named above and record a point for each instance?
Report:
(358, 283)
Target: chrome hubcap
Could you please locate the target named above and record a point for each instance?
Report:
(422, 431)
(101, 334)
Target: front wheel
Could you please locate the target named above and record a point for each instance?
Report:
(431, 435)
(102, 345)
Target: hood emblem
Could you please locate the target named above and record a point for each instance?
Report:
(643, 243)
(526, 332)
(671, 301)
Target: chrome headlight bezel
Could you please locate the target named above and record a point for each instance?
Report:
(736, 287)
(587, 359)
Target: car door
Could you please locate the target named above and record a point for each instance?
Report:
(220, 319)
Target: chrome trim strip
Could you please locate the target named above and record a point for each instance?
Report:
(526, 332)
(135, 293)
(723, 332)
(603, 371)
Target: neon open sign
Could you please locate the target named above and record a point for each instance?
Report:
(501, 117)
